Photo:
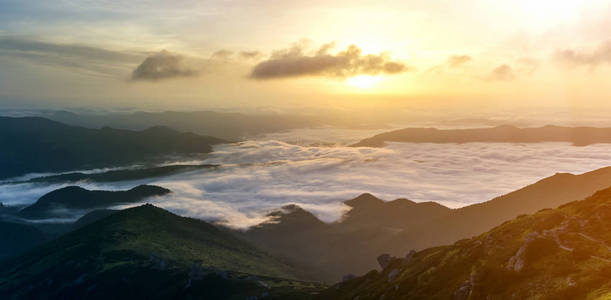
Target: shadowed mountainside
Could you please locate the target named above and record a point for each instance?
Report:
(373, 226)
(62, 202)
(147, 252)
(33, 145)
(562, 253)
(578, 136)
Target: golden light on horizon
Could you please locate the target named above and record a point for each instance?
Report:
(363, 81)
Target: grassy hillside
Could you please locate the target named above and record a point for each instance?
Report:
(148, 252)
(562, 253)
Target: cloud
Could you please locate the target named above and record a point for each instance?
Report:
(527, 65)
(164, 65)
(503, 72)
(297, 62)
(222, 54)
(600, 55)
(250, 54)
(457, 60)
(89, 59)
(263, 175)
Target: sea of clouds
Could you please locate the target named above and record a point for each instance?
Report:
(257, 176)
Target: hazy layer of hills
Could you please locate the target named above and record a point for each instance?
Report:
(562, 253)
(32, 145)
(231, 126)
(578, 136)
(147, 252)
(374, 226)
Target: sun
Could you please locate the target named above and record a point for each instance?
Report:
(363, 81)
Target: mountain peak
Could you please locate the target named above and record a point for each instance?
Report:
(364, 200)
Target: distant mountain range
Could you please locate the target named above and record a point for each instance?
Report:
(34, 145)
(562, 253)
(374, 226)
(118, 175)
(578, 136)
(148, 253)
(231, 126)
(226, 125)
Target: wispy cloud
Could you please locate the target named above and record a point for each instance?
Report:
(457, 60)
(297, 61)
(503, 72)
(84, 58)
(600, 55)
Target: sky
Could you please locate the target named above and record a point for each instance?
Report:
(293, 55)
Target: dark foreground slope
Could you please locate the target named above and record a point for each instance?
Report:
(65, 201)
(562, 253)
(579, 136)
(40, 145)
(147, 252)
(374, 226)
(17, 238)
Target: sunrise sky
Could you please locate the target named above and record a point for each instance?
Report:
(292, 54)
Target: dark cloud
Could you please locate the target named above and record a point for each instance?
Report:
(295, 62)
(84, 58)
(503, 72)
(457, 60)
(600, 55)
(222, 54)
(164, 65)
(250, 54)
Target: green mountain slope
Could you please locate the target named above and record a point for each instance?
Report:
(562, 253)
(147, 252)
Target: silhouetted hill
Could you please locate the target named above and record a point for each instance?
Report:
(39, 145)
(561, 253)
(63, 202)
(119, 175)
(147, 252)
(579, 136)
(17, 238)
(374, 226)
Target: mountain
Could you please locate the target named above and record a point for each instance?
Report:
(147, 252)
(562, 253)
(17, 238)
(231, 126)
(63, 202)
(33, 145)
(374, 226)
(579, 136)
(119, 175)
